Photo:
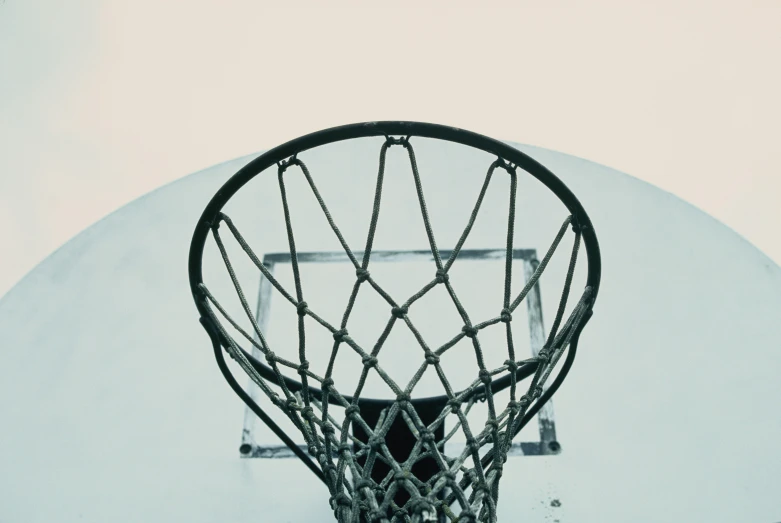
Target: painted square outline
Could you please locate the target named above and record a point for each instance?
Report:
(547, 444)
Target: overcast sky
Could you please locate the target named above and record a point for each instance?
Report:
(101, 102)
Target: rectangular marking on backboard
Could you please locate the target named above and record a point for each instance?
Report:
(545, 418)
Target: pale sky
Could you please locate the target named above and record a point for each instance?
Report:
(101, 102)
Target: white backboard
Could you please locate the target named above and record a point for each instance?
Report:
(115, 411)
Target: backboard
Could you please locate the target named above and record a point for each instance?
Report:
(118, 413)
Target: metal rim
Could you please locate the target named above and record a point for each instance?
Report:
(398, 128)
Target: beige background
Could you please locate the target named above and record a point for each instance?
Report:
(101, 102)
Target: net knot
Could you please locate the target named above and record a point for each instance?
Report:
(482, 485)
(402, 476)
(543, 355)
(270, 356)
(352, 411)
(362, 274)
(454, 405)
(399, 312)
(307, 412)
(431, 358)
(419, 505)
(328, 430)
(511, 366)
(302, 368)
(301, 308)
(369, 361)
(327, 384)
(345, 447)
(442, 276)
(427, 436)
(274, 397)
(514, 407)
(498, 464)
(474, 447)
(375, 443)
(537, 392)
(469, 331)
(493, 424)
(340, 335)
(291, 404)
(485, 376)
(403, 397)
(471, 475)
(506, 316)
(340, 499)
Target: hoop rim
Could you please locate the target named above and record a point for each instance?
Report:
(399, 128)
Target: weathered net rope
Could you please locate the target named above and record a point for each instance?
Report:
(466, 486)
